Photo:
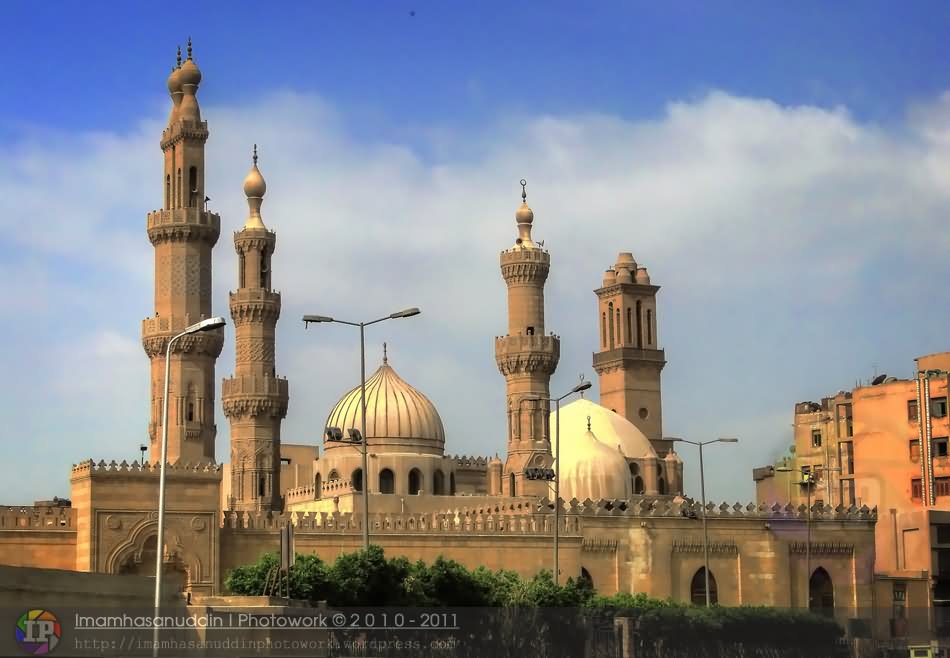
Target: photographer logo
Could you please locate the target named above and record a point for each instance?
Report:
(38, 632)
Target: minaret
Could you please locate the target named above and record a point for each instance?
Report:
(183, 234)
(527, 358)
(255, 400)
(629, 361)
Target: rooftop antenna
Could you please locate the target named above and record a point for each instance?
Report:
(581, 382)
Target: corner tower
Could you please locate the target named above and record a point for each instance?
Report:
(629, 361)
(255, 400)
(183, 233)
(527, 358)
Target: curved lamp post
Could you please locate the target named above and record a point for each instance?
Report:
(702, 492)
(205, 325)
(355, 436)
(551, 473)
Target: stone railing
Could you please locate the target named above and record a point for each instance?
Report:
(37, 518)
(187, 215)
(427, 523)
(254, 386)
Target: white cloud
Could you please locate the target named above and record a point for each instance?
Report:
(771, 229)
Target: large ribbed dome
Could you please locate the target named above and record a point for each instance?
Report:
(398, 416)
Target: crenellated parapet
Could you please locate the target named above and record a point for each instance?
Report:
(90, 468)
(157, 331)
(182, 130)
(464, 461)
(254, 239)
(185, 224)
(38, 518)
(254, 306)
(252, 395)
(518, 355)
(525, 266)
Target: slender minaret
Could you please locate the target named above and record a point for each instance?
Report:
(527, 358)
(629, 361)
(255, 400)
(183, 234)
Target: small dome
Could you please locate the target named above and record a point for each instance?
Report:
(625, 260)
(190, 75)
(592, 470)
(673, 457)
(610, 278)
(612, 428)
(624, 275)
(174, 81)
(642, 276)
(254, 185)
(399, 418)
(524, 215)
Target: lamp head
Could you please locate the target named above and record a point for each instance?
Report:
(406, 313)
(206, 325)
(583, 386)
(316, 318)
(728, 439)
(334, 434)
(355, 435)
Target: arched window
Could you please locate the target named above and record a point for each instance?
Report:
(638, 485)
(178, 187)
(191, 412)
(697, 588)
(415, 482)
(438, 483)
(610, 321)
(357, 479)
(333, 476)
(585, 577)
(241, 283)
(261, 486)
(649, 327)
(821, 593)
(451, 484)
(264, 270)
(168, 191)
(387, 481)
(193, 200)
(619, 330)
(318, 486)
(661, 486)
(511, 484)
(629, 328)
(603, 330)
(639, 324)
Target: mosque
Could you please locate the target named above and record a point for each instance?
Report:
(624, 523)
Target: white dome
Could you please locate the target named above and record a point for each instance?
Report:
(592, 470)
(609, 427)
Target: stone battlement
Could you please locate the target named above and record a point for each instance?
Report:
(200, 470)
(37, 518)
(464, 461)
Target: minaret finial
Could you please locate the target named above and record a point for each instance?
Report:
(385, 355)
(179, 57)
(189, 47)
(588, 423)
(582, 381)
(524, 194)
(255, 155)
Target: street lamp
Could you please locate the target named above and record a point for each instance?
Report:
(551, 473)
(807, 481)
(362, 439)
(204, 325)
(702, 492)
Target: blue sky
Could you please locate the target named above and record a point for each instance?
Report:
(784, 172)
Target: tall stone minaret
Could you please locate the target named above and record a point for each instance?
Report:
(183, 234)
(255, 400)
(630, 361)
(527, 358)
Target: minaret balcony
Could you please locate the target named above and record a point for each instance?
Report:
(250, 305)
(183, 225)
(157, 331)
(527, 354)
(626, 356)
(183, 129)
(252, 395)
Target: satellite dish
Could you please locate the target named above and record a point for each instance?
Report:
(878, 380)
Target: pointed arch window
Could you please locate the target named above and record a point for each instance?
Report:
(697, 588)
(318, 486)
(610, 321)
(603, 330)
(511, 484)
(178, 187)
(649, 327)
(619, 330)
(639, 324)
(438, 483)
(168, 191)
(193, 187)
(629, 334)
(415, 482)
(261, 486)
(357, 479)
(821, 593)
(265, 273)
(387, 481)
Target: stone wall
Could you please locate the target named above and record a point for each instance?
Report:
(42, 537)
